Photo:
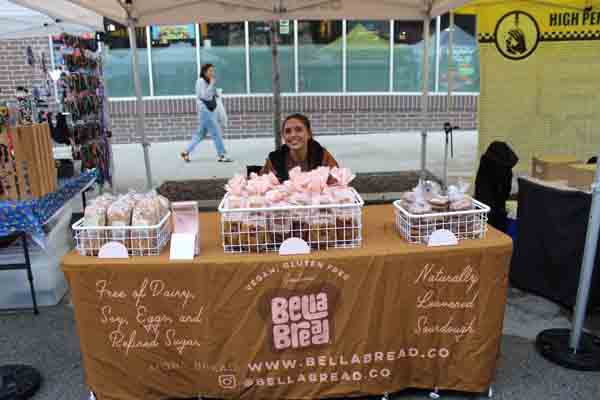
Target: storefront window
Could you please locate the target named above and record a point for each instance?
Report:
(223, 45)
(320, 56)
(465, 54)
(261, 60)
(368, 56)
(174, 66)
(118, 63)
(408, 56)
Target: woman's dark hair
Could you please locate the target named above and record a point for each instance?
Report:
(300, 117)
(204, 70)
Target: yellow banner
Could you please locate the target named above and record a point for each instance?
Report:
(518, 26)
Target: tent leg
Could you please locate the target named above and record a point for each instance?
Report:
(575, 349)
(423, 154)
(425, 93)
(449, 96)
(587, 266)
(276, 85)
(139, 126)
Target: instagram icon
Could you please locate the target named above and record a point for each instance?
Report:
(228, 381)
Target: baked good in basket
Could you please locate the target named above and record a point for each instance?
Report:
(91, 240)
(322, 232)
(232, 226)
(254, 233)
(119, 215)
(346, 225)
(280, 227)
(144, 241)
(300, 224)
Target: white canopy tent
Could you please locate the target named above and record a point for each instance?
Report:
(18, 20)
(157, 12)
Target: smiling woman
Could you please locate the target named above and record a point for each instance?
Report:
(299, 149)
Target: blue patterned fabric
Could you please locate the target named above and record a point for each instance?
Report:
(30, 215)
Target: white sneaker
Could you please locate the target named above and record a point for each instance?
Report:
(224, 158)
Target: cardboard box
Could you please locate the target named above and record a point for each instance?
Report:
(581, 176)
(552, 167)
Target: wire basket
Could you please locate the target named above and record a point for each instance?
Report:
(257, 230)
(416, 228)
(139, 240)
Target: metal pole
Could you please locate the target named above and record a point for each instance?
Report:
(587, 265)
(423, 153)
(425, 92)
(276, 85)
(139, 126)
(449, 96)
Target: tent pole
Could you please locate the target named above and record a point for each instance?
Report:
(276, 84)
(574, 348)
(587, 265)
(139, 126)
(449, 96)
(425, 93)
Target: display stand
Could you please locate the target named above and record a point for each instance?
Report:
(83, 103)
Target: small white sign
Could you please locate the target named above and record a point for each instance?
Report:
(183, 246)
(293, 246)
(442, 237)
(185, 220)
(113, 250)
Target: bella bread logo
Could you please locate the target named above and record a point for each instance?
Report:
(300, 319)
(517, 35)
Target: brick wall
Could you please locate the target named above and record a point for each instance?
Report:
(14, 70)
(251, 116)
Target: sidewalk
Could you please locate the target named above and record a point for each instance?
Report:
(399, 151)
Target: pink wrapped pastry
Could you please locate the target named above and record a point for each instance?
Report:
(257, 188)
(236, 189)
(277, 197)
(342, 176)
(324, 198)
(300, 199)
(272, 179)
(299, 181)
(342, 194)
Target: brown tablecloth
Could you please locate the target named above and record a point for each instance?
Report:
(381, 318)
